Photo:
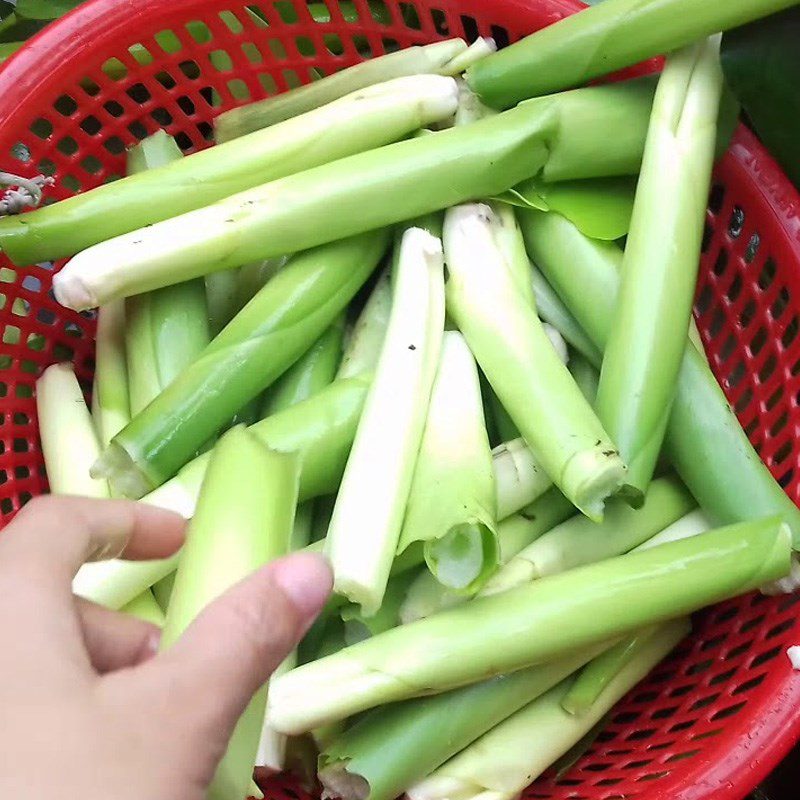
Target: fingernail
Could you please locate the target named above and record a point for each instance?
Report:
(154, 642)
(152, 645)
(306, 579)
(106, 551)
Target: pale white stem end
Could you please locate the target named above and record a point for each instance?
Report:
(368, 515)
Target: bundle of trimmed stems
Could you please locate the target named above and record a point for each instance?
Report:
(440, 330)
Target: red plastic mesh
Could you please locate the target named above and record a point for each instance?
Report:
(718, 716)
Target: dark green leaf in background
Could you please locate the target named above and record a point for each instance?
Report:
(762, 66)
(14, 29)
(45, 9)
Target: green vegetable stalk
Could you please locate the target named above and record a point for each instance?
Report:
(601, 39)
(415, 60)
(481, 48)
(426, 596)
(303, 521)
(365, 341)
(228, 292)
(551, 507)
(331, 640)
(146, 608)
(166, 329)
(324, 460)
(368, 515)
(244, 520)
(391, 748)
(358, 627)
(273, 747)
(500, 764)
(617, 144)
(510, 242)
(698, 522)
(162, 591)
(110, 405)
(323, 511)
(68, 435)
(515, 354)
(369, 119)
(470, 108)
(519, 477)
(533, 624)
(69, 445)
(518, 531)
(222, 298)
(451, 504)
(504, 428)
(551, 309)
(703, 431)
(585, 374)
(270, 333)
(274, 751)
(691, 524)
(584, 272)
(585, 133)
(251, 278)
(310, 374)
(558, 343)
(116, 583)
(580, 541)
(659, 269)
(320, 430)
(594, 678)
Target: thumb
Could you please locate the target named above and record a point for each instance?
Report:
(235, 644)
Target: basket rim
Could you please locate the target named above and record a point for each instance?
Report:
(757, 743)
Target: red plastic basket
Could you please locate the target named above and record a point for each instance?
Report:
(716, 718)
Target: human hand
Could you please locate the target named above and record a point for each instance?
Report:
(89, 712)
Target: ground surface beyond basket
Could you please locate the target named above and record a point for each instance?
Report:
(716, 718)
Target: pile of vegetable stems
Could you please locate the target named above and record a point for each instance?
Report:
(403, 318)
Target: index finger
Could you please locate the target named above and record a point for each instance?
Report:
(58, 534)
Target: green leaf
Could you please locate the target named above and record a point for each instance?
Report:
(45, 9)
(8, 49)
(523, 196)
(600, 208)
(15, 29)
(761, 62)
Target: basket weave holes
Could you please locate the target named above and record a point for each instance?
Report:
(231, 21)
(736, 222)
(716, 198)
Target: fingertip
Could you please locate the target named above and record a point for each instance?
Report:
(115, 640)
(306, 580)
(236, 642)
(157, 533)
